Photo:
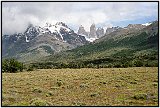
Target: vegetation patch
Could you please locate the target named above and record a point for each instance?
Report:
(59, 82)
(37, 90)
(95, 94)
(112, 87)
(48, 49)
(155, 84)
(83, 85)
(103, 82)
(140, 96)
(78, 104)
(21, 104)
(50, 93)
(12, 66)
(39, 102)
(54, 88)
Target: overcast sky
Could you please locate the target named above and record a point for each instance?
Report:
(16, 16)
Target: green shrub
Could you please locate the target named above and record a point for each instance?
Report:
(155, 84)
(30, 68)
(117, 65)
(137, 63)
(140, 96)
(110, 65)
(12, 66)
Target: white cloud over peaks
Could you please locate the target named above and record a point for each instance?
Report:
(17, 15)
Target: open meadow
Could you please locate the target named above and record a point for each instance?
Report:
(137, 86)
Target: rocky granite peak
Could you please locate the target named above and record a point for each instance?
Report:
(100, 32)
(92, 33)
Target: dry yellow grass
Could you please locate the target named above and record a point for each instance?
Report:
(82, 87)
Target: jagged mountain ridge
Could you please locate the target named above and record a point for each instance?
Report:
(122, 45)
(119, 31)
(38, 41)
(96, 33)
(59, 30)
(93, 34)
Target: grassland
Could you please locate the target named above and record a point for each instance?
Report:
(81, 87)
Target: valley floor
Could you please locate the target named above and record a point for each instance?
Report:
(82, 87)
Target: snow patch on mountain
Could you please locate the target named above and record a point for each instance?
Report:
(27, 39)
(147, 24)
(90, 39)
(57, 28)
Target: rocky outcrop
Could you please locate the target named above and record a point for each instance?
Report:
(112, 29)
(100, 32)
(81, 31)
(135, 26)
(92, 33)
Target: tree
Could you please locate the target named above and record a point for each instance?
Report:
(137, 63)
(11, 65)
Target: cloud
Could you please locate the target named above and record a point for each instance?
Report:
(17, 15)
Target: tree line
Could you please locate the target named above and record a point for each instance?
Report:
(12, 65)
(108, 62)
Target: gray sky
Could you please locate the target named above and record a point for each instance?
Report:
(17, 15)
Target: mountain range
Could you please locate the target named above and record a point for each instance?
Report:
(38, 41)
(134, 45)
(60, 44)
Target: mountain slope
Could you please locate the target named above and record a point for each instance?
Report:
(37, 42)
(122, 46)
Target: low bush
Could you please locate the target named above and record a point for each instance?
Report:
(30, 68)
(12, 66)
(84, 86)
(50, 93)
(59, 83)
(140, 96)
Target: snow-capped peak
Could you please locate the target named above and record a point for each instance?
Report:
(61, 24)
(60, 31)
(48, 25)
(57, 28)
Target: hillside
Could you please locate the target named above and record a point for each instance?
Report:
(129, 46)
(37, 42)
